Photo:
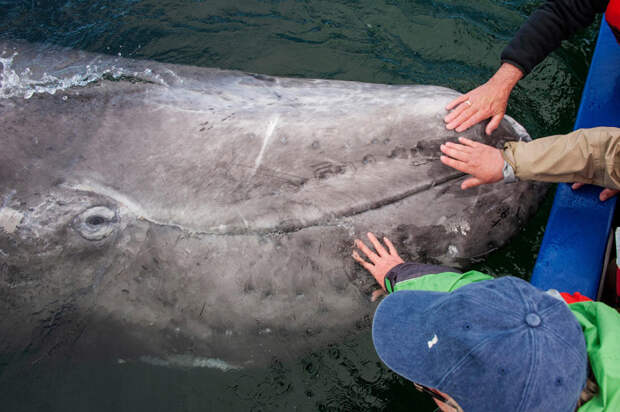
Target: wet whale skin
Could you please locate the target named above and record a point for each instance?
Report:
(163, 210)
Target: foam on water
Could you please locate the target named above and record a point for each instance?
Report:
(25, 83)
(188, 361)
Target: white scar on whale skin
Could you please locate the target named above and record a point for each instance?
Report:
(94, 187)
(133, 207)
(270, 129)
(245, 222)
(128, 204)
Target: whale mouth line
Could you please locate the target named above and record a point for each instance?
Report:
(138, 211)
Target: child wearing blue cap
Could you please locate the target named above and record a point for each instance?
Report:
(476, 343)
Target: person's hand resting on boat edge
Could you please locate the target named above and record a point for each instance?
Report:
(484, 163)
(380, 263)
(605, 193)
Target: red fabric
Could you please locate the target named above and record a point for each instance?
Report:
(574, 298)
(613, 14)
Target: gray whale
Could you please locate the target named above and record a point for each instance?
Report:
(162, 210)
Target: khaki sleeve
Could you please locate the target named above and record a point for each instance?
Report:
(585, 155)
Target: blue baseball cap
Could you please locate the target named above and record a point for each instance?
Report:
(494, 345)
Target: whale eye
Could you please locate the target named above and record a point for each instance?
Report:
(96, 223)
(95, 220)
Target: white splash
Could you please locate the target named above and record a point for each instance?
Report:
(433, 341)
(14, 84)
(26, 84)
(188, 361)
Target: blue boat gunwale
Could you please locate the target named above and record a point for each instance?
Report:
(573, 251)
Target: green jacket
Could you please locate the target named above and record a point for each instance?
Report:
(600, 324)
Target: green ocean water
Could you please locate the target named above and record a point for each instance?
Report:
(453, 43)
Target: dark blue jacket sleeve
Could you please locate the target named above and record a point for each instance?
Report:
(410, 270)
(544, 30)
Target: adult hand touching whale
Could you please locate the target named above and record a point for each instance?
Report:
(486, 101)
(542, 33)
(585, 156)
(483, 162)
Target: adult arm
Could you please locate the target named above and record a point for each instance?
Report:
(544, 30)
(586, 156)
(589, 156)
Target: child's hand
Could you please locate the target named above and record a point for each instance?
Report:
(382, 261)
